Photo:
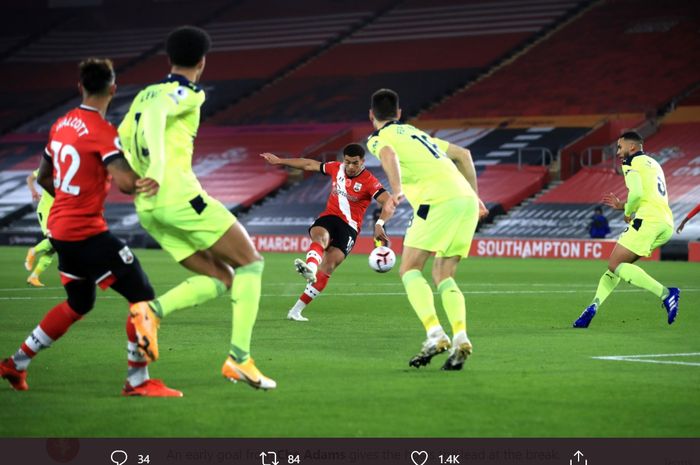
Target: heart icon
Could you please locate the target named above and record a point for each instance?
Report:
(419, 457)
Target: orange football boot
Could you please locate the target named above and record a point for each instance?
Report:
(17, 379)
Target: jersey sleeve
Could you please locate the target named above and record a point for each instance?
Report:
(375, 188)
(47, 149)
(153, 119)
(174, 101)
(182, 99)
(330, 168)
(376, 143)
(693, 212)
(633, 181)
(442, 144)
(108, 145)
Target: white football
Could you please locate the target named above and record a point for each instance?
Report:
(382, 259)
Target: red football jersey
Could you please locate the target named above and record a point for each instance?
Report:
(80, 144)
(350, 196)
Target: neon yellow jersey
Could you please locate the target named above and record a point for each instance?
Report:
(428, 176)
(158, 134)
(44, 205)
(648, 196)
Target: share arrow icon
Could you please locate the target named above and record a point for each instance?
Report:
(578, 456)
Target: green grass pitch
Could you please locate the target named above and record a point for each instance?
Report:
(345, 373)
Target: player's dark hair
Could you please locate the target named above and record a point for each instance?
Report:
(632, 136)
(186, 45)
(385, 104)
(354, 150)
(96, 75)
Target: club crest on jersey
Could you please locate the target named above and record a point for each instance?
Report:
(126, 255)
(357, 187)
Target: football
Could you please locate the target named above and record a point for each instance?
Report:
(382, 259)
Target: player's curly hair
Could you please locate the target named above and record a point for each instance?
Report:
(354, 150)
(96, 75)
(187, 45)
(632, 136)
(385, 104)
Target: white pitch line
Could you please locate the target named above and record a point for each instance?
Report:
(644, 358)
(300, 283)
(366, 294)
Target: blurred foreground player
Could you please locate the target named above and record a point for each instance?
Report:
(334, 232)
(39, 257)
(85, 152)
(439, 181)
(198, 231)
(650, 226)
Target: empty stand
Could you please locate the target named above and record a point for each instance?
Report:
(42, 73)
(621, 56)
(420, 49)
(537, 145)
(505, 186)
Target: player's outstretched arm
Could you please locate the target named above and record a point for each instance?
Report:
(153, 120)
(390, 165)
(388, 209)
(305, 164)
(45, 177)
(463, 160)
(634, 196)
(30, 184)
(122, 174)
(687, 218)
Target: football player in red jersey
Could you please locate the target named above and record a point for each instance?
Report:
(334, 232)
(82, 156)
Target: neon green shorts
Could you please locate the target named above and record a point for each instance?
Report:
(446, 228)
(642, 237)
(187, 228)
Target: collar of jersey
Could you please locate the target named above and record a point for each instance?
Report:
(376, 133)
(358, 174)
(628, 160)
(88, 108)
(182, 80)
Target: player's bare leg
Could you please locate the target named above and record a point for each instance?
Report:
(320, 238)
(331, 260)
(236, 249)
(444, 270)
(420, 295)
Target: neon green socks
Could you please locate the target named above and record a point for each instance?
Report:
(43, 263)
(245, 296)
(420, 295)
(608, 282)
(43, 247)
(454, 304)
